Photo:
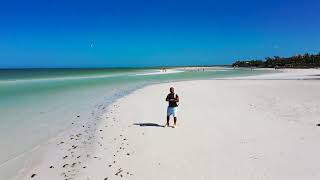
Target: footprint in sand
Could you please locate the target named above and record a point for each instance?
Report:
(73, 164)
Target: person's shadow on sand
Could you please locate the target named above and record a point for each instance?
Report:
(148, 125)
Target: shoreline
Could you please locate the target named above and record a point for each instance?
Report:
(49, 174)
(29, 156)
(83, 124)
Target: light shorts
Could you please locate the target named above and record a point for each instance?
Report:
(172, 111)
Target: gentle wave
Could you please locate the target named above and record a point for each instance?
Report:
(159, 73)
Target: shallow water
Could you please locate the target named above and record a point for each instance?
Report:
(36, 104)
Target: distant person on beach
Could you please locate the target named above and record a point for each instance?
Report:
(173, 100)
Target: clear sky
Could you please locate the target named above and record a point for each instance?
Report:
(92, 33)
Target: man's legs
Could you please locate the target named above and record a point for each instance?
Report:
(168, 118)
(175, 116)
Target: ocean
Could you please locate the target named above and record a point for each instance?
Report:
(38, 104)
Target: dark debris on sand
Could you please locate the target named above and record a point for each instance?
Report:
(86, 136)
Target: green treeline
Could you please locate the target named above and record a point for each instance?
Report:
(298, 61)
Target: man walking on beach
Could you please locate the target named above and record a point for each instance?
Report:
(173, 100)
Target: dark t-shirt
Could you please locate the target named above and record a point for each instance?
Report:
(172, 96)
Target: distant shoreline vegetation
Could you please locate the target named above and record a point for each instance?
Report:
(297, 61)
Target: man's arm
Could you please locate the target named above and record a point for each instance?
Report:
(177, 98)
(167, 98)
(171, 99)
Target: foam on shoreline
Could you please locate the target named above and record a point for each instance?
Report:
(160, 72)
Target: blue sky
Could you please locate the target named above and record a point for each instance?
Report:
(153, 33)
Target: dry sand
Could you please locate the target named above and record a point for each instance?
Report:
(227, 130)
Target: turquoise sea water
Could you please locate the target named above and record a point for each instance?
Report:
(36, 104)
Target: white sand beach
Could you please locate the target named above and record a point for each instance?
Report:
(230, 129)
(286, 74)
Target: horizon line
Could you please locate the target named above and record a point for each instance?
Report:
(112, 67)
